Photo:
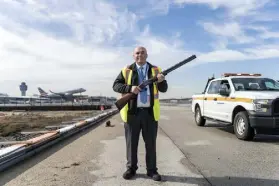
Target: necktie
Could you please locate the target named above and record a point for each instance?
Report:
(143, 93)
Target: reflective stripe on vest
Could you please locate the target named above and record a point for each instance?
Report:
(127, 71)
(156, 106)
(127, 74)
(156, 72)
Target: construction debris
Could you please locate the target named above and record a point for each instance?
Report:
(108, 124)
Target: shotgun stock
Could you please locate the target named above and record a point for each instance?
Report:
(120, 103)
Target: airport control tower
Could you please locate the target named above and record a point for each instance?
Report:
(23, 88)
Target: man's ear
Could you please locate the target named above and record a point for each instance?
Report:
(146, 56)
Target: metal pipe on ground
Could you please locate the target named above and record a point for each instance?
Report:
(26, 152)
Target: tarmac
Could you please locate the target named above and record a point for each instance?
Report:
(98, 157)
(186, 155)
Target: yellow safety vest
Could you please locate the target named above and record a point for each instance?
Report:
(127, 73)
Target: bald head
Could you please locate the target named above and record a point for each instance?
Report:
(140, 55)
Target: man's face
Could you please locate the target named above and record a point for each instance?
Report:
(140, 55)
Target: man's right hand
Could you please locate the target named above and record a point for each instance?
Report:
(135, 89)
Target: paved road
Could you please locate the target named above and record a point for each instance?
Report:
(214, 156)
(98, 158)
(218, 154)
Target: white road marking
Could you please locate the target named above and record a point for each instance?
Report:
(198, 143)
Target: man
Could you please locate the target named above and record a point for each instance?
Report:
(142, 113)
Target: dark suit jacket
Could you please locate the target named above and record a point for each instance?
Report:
(120, 87)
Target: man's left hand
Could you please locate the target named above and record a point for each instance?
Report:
(160, 77)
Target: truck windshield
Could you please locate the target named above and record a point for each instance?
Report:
(255, 84)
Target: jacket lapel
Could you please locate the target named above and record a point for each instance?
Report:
(135, 78)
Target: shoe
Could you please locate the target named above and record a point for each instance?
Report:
(129, 174)
(154, 175)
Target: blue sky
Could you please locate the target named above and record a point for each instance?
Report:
(60, 45)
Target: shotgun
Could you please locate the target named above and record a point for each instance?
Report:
(120, 103)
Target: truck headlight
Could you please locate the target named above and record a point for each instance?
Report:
(261, 105)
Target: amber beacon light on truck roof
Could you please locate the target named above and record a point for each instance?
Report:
(240, 74)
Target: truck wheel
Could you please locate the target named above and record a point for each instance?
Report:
(200, 121)
(242, 128)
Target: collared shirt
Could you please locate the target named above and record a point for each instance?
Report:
(145, 72)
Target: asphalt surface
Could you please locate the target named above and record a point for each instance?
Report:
(218, 154)
(187, 155)
(97, 157)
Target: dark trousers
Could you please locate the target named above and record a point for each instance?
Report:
(144, 122)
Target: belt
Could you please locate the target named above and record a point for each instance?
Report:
(143, 108)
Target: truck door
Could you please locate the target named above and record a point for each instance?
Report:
(222, 105)
(210, 99)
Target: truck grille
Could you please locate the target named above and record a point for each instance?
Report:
(275, 107)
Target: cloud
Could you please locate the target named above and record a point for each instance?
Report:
(44, 59)
(231, 30)
(33, 52)
(59, 45)
(235, 7)
(159, 6)
(265, 32)
(260, 52)
(159, 48)
(39, 57)
(240, 31)
(85, 21)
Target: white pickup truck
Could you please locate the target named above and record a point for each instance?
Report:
(249, 102)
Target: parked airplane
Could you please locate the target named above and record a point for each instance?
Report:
(7, 99)
(67, 95)
(4, 94)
